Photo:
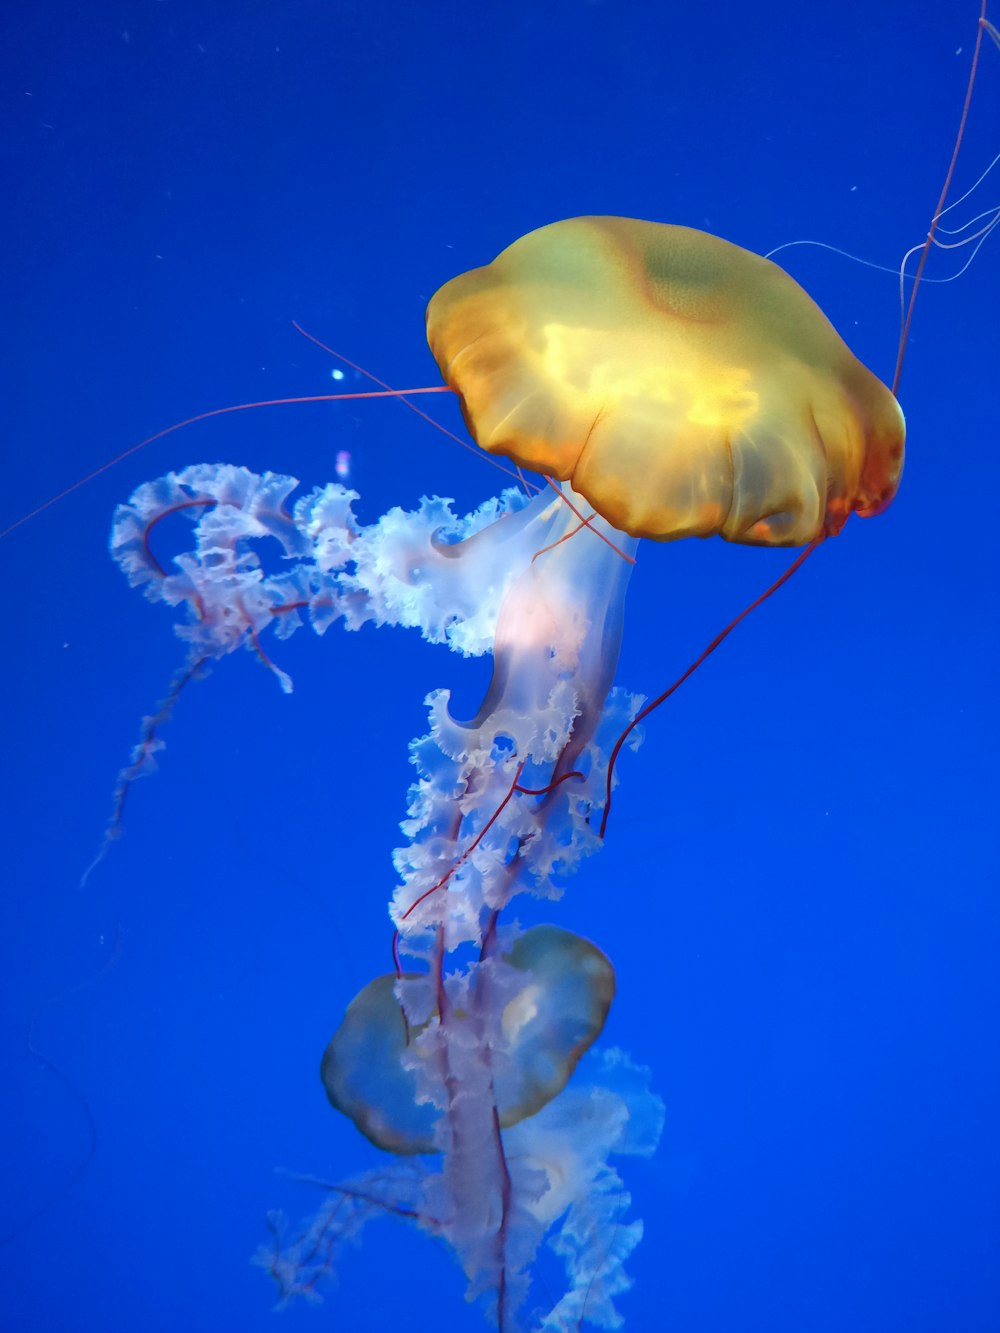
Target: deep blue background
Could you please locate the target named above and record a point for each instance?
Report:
(799, 886)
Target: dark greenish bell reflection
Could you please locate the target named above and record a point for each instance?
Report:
(550, 1021)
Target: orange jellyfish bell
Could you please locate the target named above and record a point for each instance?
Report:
(681, 384)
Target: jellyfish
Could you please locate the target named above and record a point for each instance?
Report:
(667, 384)
(683, 385)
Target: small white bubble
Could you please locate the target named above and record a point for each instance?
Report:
(336, 374)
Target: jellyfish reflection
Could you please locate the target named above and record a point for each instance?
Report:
(559, 999)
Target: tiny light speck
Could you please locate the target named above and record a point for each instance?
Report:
(336, 374)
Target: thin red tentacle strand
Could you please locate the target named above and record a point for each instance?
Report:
(472, 448)
(984, 25)
(205, 416)
(547, 790)
(515, 788)
(796, 564)
(584, 523)
(455, 865)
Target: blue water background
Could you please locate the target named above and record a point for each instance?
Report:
(799, 887)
